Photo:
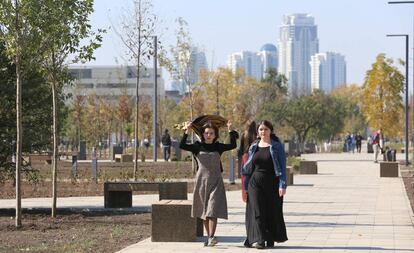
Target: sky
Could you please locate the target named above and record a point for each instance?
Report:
(354, 28)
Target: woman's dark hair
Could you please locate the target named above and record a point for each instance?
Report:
(210, 125)
(269, 125)
(249, 136)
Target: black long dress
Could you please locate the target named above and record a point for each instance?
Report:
(264, 209)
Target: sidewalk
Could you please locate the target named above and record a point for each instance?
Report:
(347, 207)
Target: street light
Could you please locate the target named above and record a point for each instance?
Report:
(406, 91)
(155, 102)
(407, 2)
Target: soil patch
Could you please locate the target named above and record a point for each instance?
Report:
(72, 231)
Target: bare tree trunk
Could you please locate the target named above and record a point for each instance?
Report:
(18, 141)
(136, 125)
(55, 150)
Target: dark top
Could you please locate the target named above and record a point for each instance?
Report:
(216, 146)
(166, 140)
(262, 161)
(358, 138)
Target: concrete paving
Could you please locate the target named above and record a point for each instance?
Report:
(347, 207)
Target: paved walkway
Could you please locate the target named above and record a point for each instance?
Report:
(347, 207)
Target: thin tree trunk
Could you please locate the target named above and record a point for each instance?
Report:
(19, 130)
(55, 151)
(136, 123)
(18, 141)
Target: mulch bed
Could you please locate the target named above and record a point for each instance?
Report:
(72, 231)
(408, 178)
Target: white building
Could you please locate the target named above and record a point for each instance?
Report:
(250, 62)
(328, 71)
(110, 82)
(268, 55)
(298, 41)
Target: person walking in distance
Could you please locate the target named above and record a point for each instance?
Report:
(265, 172)
(166, 145)
(377, 142)
(209, 196)
(358, 142)
(247, 138)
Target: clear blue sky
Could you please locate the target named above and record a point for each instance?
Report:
(354, 28)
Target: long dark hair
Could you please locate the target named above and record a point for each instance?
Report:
(269, 125)
(249, 136)
(210, 125)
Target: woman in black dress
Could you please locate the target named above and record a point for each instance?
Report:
(265, 183)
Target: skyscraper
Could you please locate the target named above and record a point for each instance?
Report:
(197, 62)
(298, 41)
(268, 54)
(250, 62)
(328, 70)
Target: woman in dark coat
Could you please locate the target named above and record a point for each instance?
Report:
(209, 196)
(265, 183)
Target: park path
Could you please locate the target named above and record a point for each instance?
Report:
(347, 207)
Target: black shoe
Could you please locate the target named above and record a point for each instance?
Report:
(270, 244)
(260, 245)
(247, 244)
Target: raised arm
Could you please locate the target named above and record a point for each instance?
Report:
(194, 148)
(233, 139)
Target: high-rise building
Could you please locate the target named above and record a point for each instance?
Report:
(328, 71)
(298, 41)
(110, 82)
(268, 54)
(250, 62)
(197, 63)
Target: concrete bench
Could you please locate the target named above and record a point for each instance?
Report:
(40, 158)
(123, 158)
(388, 169)
(119, 194)
(172, 222)
(308, 167)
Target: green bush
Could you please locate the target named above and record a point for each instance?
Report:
(294, 162)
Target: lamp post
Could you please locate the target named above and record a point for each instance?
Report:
(406, 91)
(155, 103)
(407, 2)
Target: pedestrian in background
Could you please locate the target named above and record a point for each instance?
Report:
(359, 139)
(166, 145)
(248, 137)
(377, 142)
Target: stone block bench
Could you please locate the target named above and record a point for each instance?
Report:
(123, 158)
(172, 222)
(119, 194)
(388, 169)
(308, 167)
(40, 158)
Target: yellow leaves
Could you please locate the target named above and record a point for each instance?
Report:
(381, 99)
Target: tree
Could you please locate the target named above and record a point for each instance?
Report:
(124, 112)
(183, 68)
(316, 112)
(64, 27)
(136, 33)
(350, 97)
(21, 41)
(36, 121)
(382, 101)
